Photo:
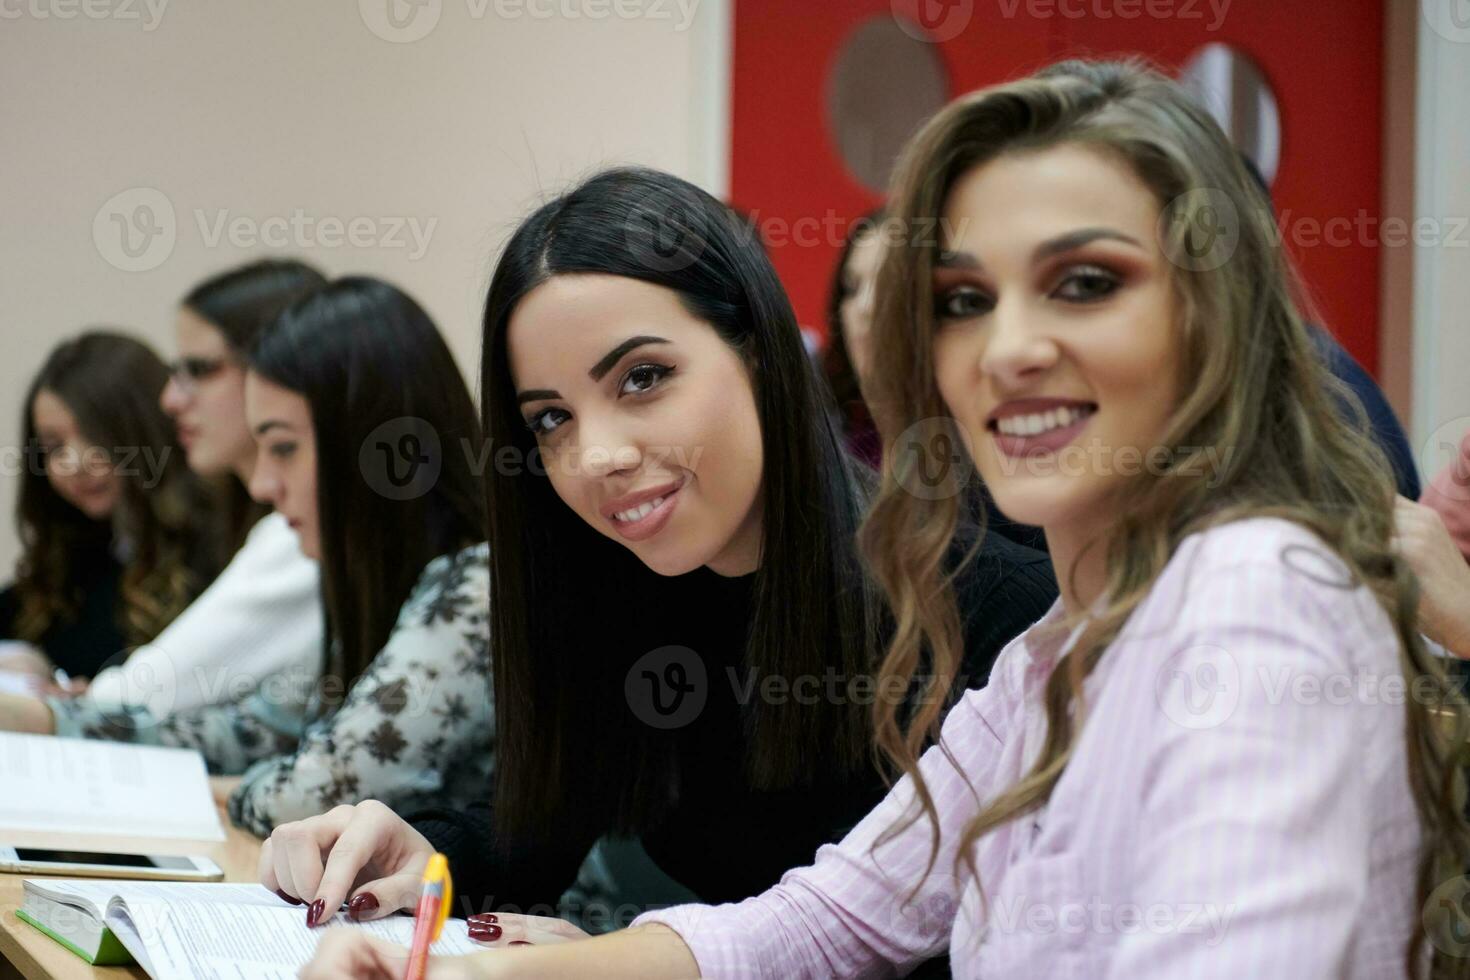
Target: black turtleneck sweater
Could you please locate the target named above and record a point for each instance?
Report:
(721, 838)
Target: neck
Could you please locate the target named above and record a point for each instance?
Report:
(742, 555)
(1080, 577)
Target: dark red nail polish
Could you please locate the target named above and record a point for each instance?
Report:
(314, 914)
(485, 917)
(519, 942)
(288, 898)
(362, 905)
(485, 932)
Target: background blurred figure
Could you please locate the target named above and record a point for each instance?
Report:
(117, 531)
(1449, 496)
(262, 615)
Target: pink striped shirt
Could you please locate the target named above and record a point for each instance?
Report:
(1236, 806)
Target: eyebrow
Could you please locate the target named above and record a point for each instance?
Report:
(599, 370)
(1055, 246)
(270, 424)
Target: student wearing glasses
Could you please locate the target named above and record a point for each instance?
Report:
(262, 615)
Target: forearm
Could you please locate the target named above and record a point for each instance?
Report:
(651, 952)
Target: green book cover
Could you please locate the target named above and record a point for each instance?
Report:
(109, 953)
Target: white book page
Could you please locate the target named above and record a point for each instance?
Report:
(78, 786)
(209, 941)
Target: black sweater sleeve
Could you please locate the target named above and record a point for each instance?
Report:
(1001, 592)
(491, 874)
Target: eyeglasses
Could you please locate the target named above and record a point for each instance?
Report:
(187, 372)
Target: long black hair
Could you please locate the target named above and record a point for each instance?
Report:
(560, 708)
(111, 383)
(240, 303)
(376, 373)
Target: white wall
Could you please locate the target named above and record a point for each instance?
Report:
(1441, 281)
(260, 108)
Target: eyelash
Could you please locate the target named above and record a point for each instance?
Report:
(1073, 274)
(660, 372)
(283, 450)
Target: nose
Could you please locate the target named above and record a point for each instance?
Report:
(1017, 346)
(264, 487)
(607, 448)
(173, 399)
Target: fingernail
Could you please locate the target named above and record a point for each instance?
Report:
(485, 917)
(314, 914)
(288, 898)
(519, 942)
(484, 931)
(362, 905)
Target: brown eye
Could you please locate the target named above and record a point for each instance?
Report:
(644, 377)
(962, 302)
(1087, 284)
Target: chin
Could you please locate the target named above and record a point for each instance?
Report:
(669, 564)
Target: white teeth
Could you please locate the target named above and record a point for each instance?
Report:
(639, 512)
(1033, 425)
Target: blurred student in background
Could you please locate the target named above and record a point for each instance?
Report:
(262, 615)
(118, 534)
(400, 709)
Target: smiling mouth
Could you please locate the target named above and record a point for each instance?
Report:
(1040, 423)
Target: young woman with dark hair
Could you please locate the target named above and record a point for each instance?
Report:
(684, 633)
(1135, 793)
(400, 709)
(262, 615)
(116, 531)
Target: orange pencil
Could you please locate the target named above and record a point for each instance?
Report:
(434, 902)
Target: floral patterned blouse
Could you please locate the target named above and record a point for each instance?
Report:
(416, 729)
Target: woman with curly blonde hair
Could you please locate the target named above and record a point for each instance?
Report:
(1217, 754)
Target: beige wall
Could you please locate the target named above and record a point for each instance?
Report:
(255, 109)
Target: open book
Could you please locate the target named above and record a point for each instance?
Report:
(78, 786)
(197, 931)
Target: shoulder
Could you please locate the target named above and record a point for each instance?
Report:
(1262, 589)
(453, 585)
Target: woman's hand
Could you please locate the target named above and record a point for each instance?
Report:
(31, 716)
(1444, 576)
(352, 953)
(366, 851)
(509, 929)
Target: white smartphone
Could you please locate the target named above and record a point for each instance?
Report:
(100, 864)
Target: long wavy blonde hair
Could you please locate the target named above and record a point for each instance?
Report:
(1253, 383)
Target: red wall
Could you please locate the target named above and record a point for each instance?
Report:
(1324, 61)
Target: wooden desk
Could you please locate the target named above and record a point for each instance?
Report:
(26, 952)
